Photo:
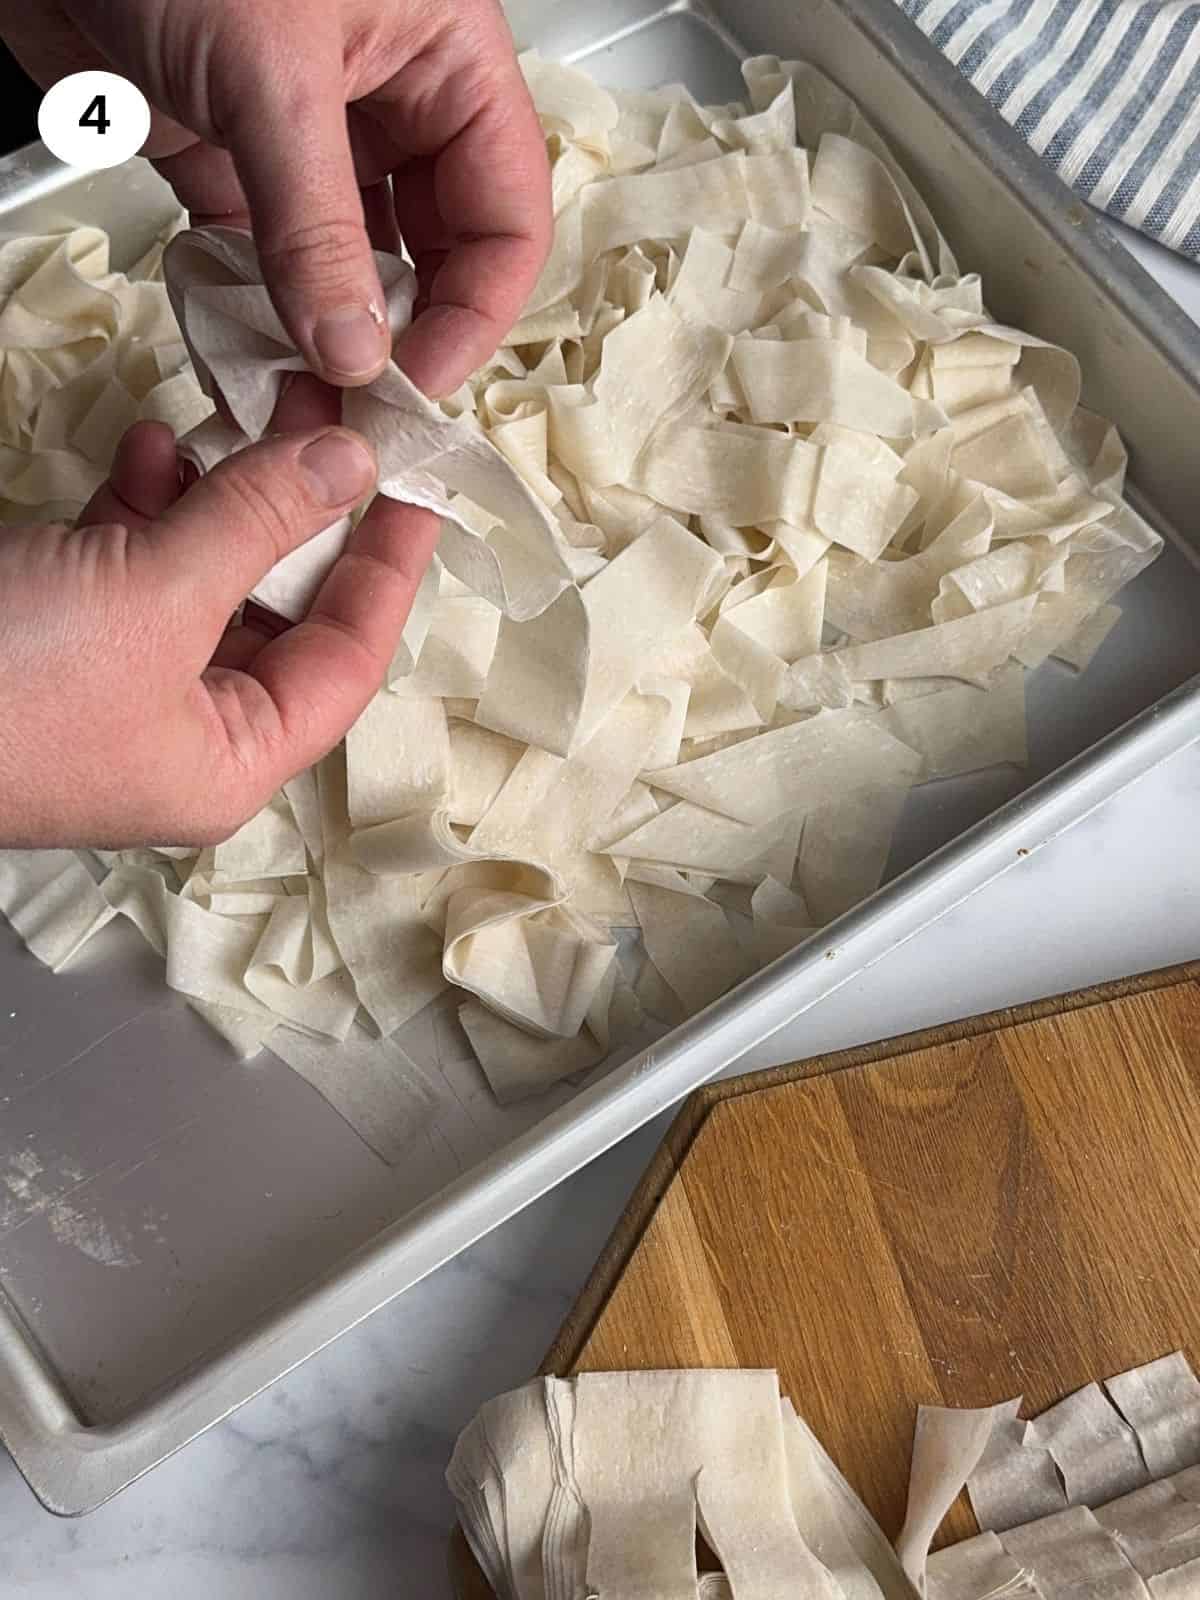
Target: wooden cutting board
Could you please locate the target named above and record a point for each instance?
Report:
(1009, 1205)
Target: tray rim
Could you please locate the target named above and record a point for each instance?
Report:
(72, 1468)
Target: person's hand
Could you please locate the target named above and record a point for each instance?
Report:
(291, 116)
(132, 714)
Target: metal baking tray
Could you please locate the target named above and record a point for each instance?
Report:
(177, 1229)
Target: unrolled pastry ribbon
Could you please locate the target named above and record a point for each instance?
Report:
(242, 353)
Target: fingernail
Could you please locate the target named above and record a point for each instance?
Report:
(340, 467)
(350, 341)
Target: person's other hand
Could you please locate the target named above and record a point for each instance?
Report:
(132, 713)
(291, 116)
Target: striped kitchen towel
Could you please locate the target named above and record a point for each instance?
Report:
(1108, 91)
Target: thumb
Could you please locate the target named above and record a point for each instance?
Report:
(232, 526)
(291, 149)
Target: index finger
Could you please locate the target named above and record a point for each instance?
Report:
(492, 182)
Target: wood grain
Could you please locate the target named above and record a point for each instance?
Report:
(999, 1207)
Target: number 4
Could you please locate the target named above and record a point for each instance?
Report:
(95, 117)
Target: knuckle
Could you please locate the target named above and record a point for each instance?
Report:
(481, 34)
(451, 81)
(330, 250)
(263, 509)
(103, 543)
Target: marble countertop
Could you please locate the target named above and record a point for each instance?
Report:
(330, 1484)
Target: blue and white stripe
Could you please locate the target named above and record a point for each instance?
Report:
(1108, 91)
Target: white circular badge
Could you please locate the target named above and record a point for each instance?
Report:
(94, 119)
